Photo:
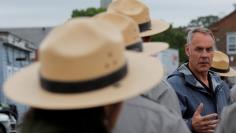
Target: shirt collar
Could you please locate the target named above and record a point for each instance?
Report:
(189, 78)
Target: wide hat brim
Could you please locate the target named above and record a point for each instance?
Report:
(230, 73)
(157, 26)
(143, 74)
(153, 48)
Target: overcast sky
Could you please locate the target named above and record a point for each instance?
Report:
(32, 13)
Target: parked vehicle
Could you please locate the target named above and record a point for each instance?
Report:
(8, 118)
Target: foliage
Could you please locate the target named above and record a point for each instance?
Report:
(203, 21)
(176, 39)
(88, 12)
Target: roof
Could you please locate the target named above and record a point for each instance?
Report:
(223, 19)
(34, 35)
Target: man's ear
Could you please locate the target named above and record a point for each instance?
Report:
(187, 50)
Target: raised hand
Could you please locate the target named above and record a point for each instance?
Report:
(204, 124)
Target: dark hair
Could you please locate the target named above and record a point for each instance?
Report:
(64, 121)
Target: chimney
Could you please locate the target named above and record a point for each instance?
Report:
(234, 6)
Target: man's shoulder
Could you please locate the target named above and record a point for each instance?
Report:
(215, 76)
(228, 115)
(140, 113)
(230, 110)
(178, 74)
(175, 76)
(176, 79)
(145, 105)
(218, 81)
(156, 92)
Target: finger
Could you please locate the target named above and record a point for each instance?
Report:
(203, 126)
(210, 127)
(199, 109)
(208, 131)
(210, 117)
(213, 122)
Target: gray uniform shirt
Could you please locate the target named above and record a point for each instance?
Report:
(227, 120)
(140, 115)
(165, 95)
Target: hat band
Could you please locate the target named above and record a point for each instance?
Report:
(145, 26)
(138, 46)
(220, 70)
(84, 86)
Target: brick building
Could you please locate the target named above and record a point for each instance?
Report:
(225, 33)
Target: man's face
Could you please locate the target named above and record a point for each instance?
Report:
(200, 52)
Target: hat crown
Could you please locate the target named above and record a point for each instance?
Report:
(220, 60)
(132, 8)
(127, 26)
(85, 44)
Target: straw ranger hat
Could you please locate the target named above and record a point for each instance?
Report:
(220, 64)
(130, 32)
(83, 64)
(140, 13)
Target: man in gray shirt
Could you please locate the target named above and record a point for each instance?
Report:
(165, 95)
(141, 115)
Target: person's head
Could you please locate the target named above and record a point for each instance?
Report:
(83, 66)
(91, 120)
(221, 65)
(130, 32)
(199, 49)
(139, 12)
(127, 26)
(64, 121)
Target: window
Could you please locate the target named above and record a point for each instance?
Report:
(231, 43)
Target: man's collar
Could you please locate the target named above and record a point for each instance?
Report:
(189, 77)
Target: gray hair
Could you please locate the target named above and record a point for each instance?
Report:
(199, 30)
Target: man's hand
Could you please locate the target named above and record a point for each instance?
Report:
(204, 124)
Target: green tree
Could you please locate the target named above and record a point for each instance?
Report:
(203, 21)
(176, 39)
(88, 12)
